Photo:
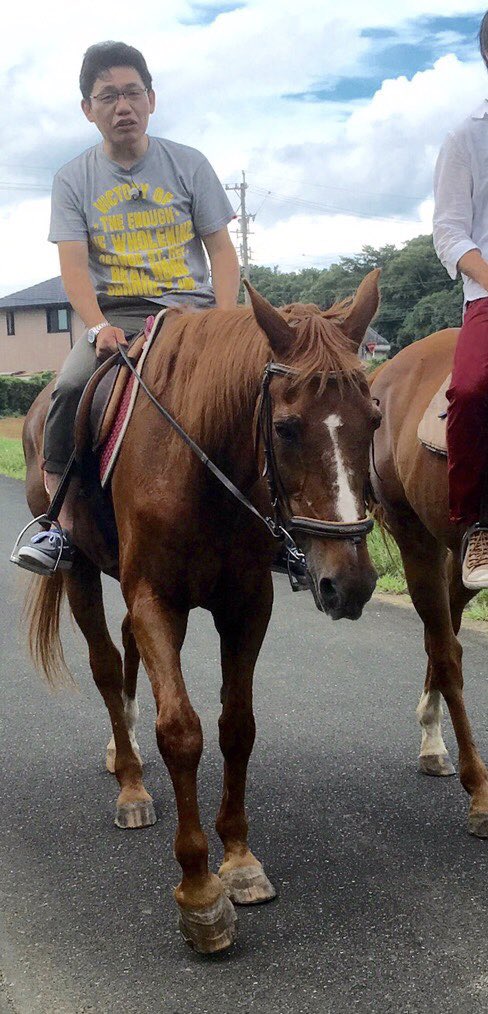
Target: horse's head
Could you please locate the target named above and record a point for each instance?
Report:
(322, 421)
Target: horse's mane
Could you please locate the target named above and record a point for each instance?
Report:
(211, 362)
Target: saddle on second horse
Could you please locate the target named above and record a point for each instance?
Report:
(432, 426)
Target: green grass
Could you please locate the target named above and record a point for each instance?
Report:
(12, 458)
(387, 562)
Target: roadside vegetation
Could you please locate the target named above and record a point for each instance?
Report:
(11, 453)
(391, 578)
(11, 458)
(18, 393)
(417, 295)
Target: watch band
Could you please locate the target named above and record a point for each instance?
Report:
(93, 331)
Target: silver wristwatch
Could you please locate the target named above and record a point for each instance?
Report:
(92, 332)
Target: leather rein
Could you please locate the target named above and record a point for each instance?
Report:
(283, 523)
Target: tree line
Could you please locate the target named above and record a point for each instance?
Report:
(417, 295)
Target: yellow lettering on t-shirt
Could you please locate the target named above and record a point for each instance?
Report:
(131, 283)
(161, 196)
(153, 217)
(112, 223)
(176, 235)
(171, 267)
(186, 283)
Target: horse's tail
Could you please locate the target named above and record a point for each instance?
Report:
(42, 610)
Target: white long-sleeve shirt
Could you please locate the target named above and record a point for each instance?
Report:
(461, 197)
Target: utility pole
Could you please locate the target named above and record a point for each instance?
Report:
(243, 231)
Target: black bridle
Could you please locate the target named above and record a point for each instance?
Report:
(283, 523)
(351, 530)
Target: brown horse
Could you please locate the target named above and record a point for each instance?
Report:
(184, 541)
(410, 482)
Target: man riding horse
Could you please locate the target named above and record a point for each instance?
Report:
(131, 217)
(461, 242)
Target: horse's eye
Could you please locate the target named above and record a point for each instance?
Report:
(288, 428)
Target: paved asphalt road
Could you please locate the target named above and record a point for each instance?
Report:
(383, 896)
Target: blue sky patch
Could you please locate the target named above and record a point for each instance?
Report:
(378, 33)
(206, 14)
(392, 54)
(346, 89)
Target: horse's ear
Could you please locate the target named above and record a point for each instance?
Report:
(277, 331)
(363, 308)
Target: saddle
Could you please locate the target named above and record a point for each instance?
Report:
(107, 402)
(432, 426)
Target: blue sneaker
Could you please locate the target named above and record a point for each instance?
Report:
(42, 552)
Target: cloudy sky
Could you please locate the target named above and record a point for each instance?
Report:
(335, 111)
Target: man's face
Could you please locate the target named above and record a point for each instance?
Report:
(124, 120)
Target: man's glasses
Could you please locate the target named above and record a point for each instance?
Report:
(131, 94)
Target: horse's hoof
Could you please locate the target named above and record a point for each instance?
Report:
(478, 824)
(110, 759)
(439, 765)
(247, 885)
(211, 929)
(138, 814)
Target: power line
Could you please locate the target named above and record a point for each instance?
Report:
(301, 202)
(5, 185)
(348, 190)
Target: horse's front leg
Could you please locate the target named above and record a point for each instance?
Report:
(242, 626)
(207, 917)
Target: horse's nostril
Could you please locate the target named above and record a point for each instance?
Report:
(328, 593)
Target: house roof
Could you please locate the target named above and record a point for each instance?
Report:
(373, 337)
(49, 293)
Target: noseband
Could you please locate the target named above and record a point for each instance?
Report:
(352, 531)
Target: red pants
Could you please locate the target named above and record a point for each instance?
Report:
(467, 417)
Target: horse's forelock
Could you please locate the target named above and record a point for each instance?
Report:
(214, 361)
(321, 346)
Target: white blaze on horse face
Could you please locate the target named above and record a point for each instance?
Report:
(346, 505)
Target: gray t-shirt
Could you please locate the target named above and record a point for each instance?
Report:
(148, 247)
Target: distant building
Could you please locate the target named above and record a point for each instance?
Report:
(373, 346)
(37, 328)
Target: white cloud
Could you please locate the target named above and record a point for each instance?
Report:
(27, 257)
(317, 240)
(221, 88)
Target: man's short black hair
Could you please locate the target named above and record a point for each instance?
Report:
(483, 38)
(102, 56)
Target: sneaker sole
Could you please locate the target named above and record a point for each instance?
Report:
(35, 562)
(474, 585)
